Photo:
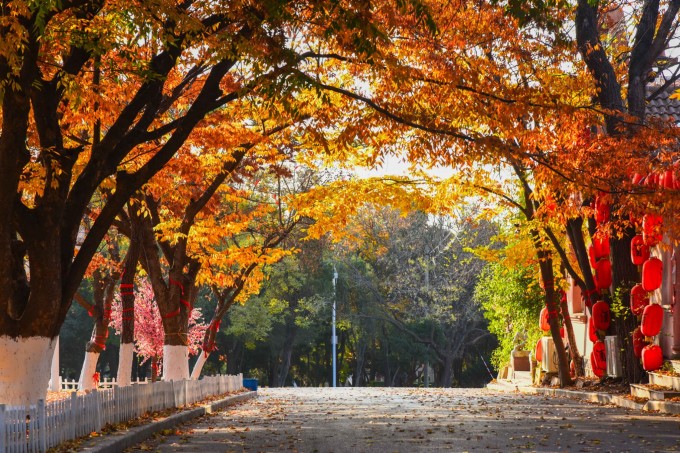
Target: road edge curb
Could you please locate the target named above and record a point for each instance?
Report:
(117, 442)
(665, 407)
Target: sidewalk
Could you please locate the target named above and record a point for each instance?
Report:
(117, 442)
(664, 407)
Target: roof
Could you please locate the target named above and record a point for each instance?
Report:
(662, 106)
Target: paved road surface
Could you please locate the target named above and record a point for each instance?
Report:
(418, 420)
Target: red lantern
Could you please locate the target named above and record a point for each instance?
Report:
(539, 350)
(603, 274)
(592, 332)
(651, 229)
(602, 210)
(652, 273)
(639, 299)
(639, 252)
(601, 315)
(652, 357)
(544, 322)
(598, 359)
(652, 180)
(637, 177)
(591, 255)
(601, 246)
(668, 180)
(652, 320)
(638, 342)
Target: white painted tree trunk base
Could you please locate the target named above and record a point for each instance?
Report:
(86, 381)
(24, 369)
(198, 367)
(55, 379)
(175, 362)
(125, 364)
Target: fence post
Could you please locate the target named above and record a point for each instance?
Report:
(72, 419)
(40, 424)
(3, 429)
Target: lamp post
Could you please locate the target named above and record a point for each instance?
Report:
(334, 338)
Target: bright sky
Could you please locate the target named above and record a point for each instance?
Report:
(394, 166)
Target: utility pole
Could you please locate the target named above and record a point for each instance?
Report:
(334, 339)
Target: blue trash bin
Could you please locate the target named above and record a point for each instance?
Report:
(250, 384)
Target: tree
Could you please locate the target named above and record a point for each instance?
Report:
(103, 94)
(424, 281)
(149, 331)
(511, 301)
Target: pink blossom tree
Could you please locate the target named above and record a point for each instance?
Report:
(149, 334)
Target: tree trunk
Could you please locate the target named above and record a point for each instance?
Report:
(624, 276)
(25, 369)
(87, 379)
(125, 359)
(198, 366)
(127, 297)
(573, 346)
(447, 371)
(359, 370)
(545, 264)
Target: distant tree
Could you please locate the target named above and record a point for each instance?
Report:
(149, 333)
(511, 301)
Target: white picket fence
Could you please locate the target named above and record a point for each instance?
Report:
(105, 383)
(42, 426)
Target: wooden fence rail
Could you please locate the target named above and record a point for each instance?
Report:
(39, 427)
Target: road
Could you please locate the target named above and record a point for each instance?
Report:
(418, 420)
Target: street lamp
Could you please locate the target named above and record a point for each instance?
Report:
(334, 338)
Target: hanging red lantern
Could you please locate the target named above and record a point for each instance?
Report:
(636, 178)
(639, 299)
(603, 274)
(601, 315)
(592, 332)
(668, 181)
(638, 342)
(602, 210)
(652, 320)
(598, 359)
(639, 252)
(652, 273)
(591, 255)
(544, 322)
(651, 229)
(652, 180)
(652, 357)
(539, 351)
(601, 246)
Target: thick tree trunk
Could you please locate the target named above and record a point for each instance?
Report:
(125, 358)
(624, 276)
(175, 362)
(25, 369)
